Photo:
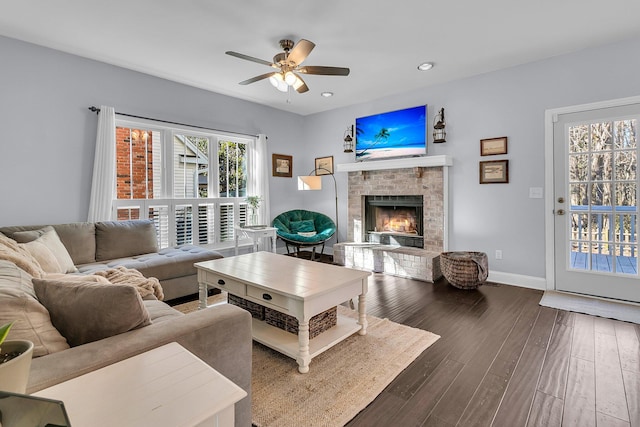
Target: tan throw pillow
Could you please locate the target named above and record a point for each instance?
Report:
(45, 257)
(84, 312)
(32, 322)
(46, 245)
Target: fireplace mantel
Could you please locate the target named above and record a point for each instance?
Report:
(407, 162)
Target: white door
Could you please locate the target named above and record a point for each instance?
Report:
(595, 202)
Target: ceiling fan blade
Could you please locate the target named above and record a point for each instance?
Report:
(257, 78)
(301, 87)
(250, 58)
(324, 71)
(300, 51)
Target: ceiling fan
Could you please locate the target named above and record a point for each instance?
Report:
(288, 65)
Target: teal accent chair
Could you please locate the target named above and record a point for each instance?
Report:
(291, 223)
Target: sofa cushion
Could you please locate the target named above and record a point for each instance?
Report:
(18, 304)
(159, 311)
(78, 237)
(169, 263)
(45, 244)
(87, 311)
(120, 239)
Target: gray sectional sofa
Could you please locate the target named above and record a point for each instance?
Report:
(79, 324)
(132, 244)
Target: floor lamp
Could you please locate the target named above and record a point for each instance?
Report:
(314, 182)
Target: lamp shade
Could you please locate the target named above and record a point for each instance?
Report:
(310, 182)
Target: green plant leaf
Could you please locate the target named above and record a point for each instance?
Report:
(4, 331)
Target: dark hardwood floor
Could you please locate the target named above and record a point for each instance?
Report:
(503, 360)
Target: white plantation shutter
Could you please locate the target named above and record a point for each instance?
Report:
(206, 223)
(184, 224)
(160, 217)
(226, 222)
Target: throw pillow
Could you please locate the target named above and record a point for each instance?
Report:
(45, 257)
(31, 319)
(84, 312)
(47, 239)
(10, 250)
(305, 226)
(307, 233)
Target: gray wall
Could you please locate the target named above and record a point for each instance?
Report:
(48, 134)
(46, 154)
(511, 103)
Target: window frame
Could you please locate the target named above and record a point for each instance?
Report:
(166, 195)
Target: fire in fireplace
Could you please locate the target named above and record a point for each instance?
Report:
(395, 220)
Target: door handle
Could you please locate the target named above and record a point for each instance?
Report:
(560, 199)
(560, 212)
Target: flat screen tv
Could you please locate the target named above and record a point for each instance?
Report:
(401, 133)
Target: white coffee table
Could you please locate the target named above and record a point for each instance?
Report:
(293, 286)
(166, 386)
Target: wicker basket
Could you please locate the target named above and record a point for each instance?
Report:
(464, 270)
(317, 324)
(256, 310)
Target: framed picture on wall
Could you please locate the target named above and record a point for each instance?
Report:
(494, 172)
(282, 165)
(493, 146)
(324, 165)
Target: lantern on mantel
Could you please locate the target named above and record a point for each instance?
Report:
(439, 134)
(348, 140)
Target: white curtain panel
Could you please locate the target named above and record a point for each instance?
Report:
(259, 183)
(261, 178)
(104, 167)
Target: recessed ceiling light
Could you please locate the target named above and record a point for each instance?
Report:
(327, 94)
(425, 66)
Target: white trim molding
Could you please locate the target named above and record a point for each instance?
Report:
(530, 282)
(407, 162)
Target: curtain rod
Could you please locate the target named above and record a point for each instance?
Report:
(96, 110)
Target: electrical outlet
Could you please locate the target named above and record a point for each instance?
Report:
(498, 254)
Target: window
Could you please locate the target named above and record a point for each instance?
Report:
(166, 174)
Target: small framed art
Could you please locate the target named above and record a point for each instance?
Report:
(324, 165)
(494, 172)
(493, 146)
(282, 165)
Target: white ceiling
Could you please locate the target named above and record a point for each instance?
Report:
(381, 42)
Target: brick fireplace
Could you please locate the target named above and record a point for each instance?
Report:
(412, 178)
(427, 182)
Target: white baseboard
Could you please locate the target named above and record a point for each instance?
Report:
(531, 282)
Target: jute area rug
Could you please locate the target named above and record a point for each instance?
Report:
(341, 381)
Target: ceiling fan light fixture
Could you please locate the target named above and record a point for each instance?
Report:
(290, 78)
(274, 79)
(425, 66)
(282, 86)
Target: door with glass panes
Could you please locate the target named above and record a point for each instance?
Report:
(595, 202)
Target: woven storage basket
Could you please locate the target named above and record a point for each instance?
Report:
(256, 310)
(464, 270)
(317, 324)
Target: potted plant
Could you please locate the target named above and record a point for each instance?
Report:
(254, 204)
(15, 362)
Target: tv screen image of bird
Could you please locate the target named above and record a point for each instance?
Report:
(400, 133)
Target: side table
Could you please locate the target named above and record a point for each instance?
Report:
(256, 233)
(166, 386)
